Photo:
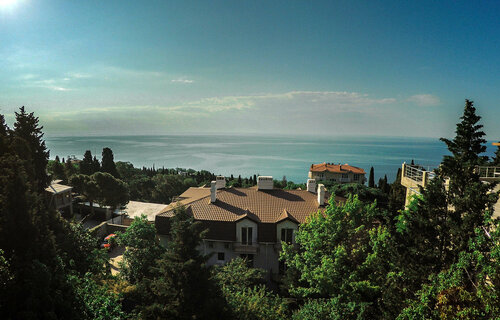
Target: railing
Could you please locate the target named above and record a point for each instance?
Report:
(488, 172)
(245, 248)
(417, 173)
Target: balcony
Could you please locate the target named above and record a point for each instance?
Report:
(488, 173)
(239, 247)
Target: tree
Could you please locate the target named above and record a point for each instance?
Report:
(439, 251)
(397, 194)
(181, 287)
(112, 192)
(496, 158)
(142, 249)
(342, 258)
(96, 165)
(56, 168)
(371, 179)
(108, 163)
(86, 165)
(466, 194)
(27, 129)
(246, 296)
(87, 187)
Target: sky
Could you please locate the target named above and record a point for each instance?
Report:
(385, 68)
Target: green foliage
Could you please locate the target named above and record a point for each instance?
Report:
(244, 293)
(28, 130)
(95, 300)
(342, 255)
(112, 192)
(181, 287)
(397, 195)
(108, 163)
(371, 179)
(468, 289)
(87, 164)
(142, 250)
(56, 170)
(496, 159)
(364, 193)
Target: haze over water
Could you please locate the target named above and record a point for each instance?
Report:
(266, 155)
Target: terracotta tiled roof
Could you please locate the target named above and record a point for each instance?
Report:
(267, 206)
(285, 215)
(336, 168)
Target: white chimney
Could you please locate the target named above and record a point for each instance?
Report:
(321, 195)
(311, 185)
(213, 191)
(265, 183)
(220, 182)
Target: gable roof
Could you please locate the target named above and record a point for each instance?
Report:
(265, 206)
(336, 168)
(285, 215)
(56, 188)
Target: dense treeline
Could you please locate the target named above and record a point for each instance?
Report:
(368, 258)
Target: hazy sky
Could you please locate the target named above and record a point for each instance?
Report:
(293, 67)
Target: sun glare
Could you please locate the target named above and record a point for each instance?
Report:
(7, 3)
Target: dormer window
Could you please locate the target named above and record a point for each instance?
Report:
(287, 235)
(246, 235)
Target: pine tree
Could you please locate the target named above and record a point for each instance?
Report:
(27, 129)
(108, 163)
(371, 179)
(181, 287)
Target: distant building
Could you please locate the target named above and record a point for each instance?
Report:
(337, 173)
(60, 197)
(246, 222)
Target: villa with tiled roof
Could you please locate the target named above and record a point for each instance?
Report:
(336, 173)
(247, 222)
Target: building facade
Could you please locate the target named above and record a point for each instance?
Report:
(336, 173)
(249, 223)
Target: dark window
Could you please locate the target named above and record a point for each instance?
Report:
(210, 245)
(226, 245)
(287, 235)
(220, 256)
(246, 235)
(248, 258)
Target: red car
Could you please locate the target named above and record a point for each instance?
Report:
(107, 241)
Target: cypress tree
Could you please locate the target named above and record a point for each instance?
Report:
(96, 165)
(108, 163)
(86, 166)
(371, 179)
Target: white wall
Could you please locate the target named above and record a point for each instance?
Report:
(246, 223)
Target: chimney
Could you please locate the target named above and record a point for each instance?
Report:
(265, 183)
(220, 182)
(213, 191)
(321, 195)
(311, 185)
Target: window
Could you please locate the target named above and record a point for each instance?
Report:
(356, 177)
(287, 235)
(345, 176)
(246, 235)
(226, 245)
(220, 256)
(248, 258)
(210, 245)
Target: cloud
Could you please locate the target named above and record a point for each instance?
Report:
(424, 100)
(182, 81)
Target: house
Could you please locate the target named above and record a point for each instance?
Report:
(60, 197)
(246, 222)
(337, 173)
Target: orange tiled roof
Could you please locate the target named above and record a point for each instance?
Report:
(265, 206)
(336, 168)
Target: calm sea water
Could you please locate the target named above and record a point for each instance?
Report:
(266, 155)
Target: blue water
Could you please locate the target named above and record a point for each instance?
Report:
(265, 155)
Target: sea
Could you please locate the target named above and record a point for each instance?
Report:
(246, 155)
